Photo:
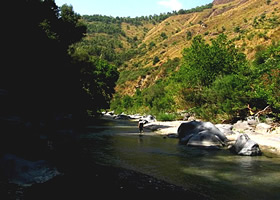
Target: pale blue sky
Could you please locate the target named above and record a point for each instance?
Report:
(132, 8)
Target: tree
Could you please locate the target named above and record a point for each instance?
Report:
(44, 77)
(203, 63)
(267, 76)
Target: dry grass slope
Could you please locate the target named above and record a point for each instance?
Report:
(250, 23)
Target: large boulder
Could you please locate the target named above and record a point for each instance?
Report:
(245, 146)
(203, 134)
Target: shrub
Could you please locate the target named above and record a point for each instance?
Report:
(156, 60)
(237, 29)
(267, 73)
(189, 35)
(166, 117)
(229, 94)
(163, 35)
(268, 2)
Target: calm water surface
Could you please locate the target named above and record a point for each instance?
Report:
(216, 173)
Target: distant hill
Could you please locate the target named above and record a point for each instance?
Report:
(141, 46)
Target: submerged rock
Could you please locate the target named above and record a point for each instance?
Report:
(24, 172)
(203, 134)
(245, 146)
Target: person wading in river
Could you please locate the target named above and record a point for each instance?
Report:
(141, 127)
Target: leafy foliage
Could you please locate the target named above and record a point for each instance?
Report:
(213, 80)
(140, 20)
(267, 73)
(203, 63)
(44, 78)
(156, 99)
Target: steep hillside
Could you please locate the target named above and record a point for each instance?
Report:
(157, 75)
(249, 23)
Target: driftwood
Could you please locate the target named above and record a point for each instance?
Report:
(256, 115)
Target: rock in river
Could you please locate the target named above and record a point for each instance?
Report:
(203, 134)
(245, 146)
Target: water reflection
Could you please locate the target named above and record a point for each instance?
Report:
(140, 139)
(218, 173)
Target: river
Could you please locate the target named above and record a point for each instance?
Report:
(110, 158)
(217, 174)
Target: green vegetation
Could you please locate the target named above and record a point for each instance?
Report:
(163, 35)
(213, 78)
(99, 27)
(50, 87)
(156, 99)
(215, 82)
(51, 73)
(267, 76)
(189, 35)
(264, 22)
(140, 20)
(156, 60)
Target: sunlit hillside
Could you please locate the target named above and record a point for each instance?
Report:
(250, 23)
(145, 46)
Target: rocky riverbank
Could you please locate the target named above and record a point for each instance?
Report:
(267, 135)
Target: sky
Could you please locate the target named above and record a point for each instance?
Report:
(130, 8)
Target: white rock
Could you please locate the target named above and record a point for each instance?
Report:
(242, 126)
(225, 128)
(263, 128)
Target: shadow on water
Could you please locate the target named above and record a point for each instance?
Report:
(111, 159)
(216, 174)
(225, 176)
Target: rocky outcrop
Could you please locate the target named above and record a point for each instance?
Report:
(245, 146)
(203, 134)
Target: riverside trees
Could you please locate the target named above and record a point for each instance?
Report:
(40, 69)
(215, 81)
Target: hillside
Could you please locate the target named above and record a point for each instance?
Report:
(148, 49)
(252, 23)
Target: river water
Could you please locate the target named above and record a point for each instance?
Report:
(217, 174)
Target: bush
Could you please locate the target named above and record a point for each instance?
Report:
(163, 35)
(267, 73)
(229, 94)
(189, 35)
(166, 117)
(268, 2)
(156, 60)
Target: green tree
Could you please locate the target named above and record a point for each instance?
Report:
(267, 76)
(203, 63)
(213, 79)
(98, 80)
